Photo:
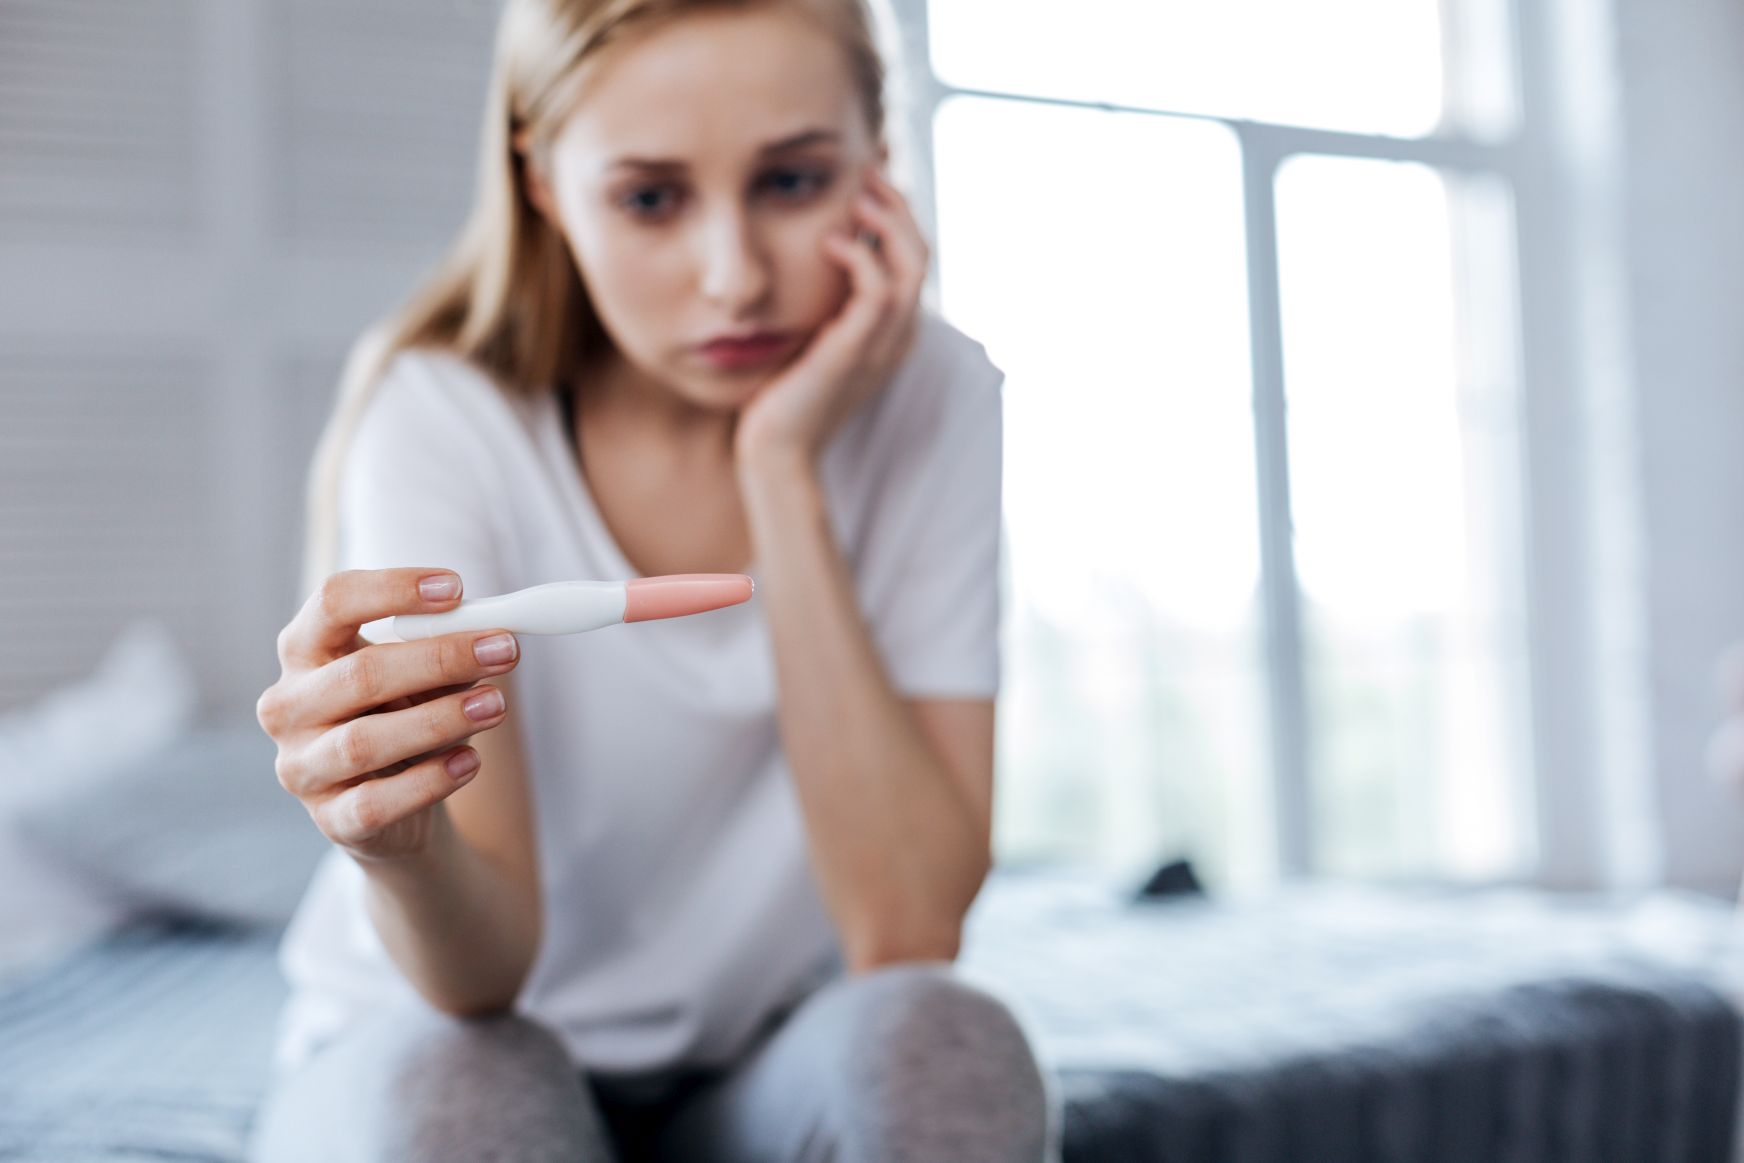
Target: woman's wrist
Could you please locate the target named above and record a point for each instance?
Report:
(776, 483)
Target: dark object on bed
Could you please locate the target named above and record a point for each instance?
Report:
(1174, 879)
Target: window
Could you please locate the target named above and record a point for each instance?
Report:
(1249, 268)
(1403, 495)
(1367, 66)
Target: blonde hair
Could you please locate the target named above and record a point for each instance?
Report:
(507, 296)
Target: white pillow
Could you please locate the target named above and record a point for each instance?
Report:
(198, 827)
(141, 695)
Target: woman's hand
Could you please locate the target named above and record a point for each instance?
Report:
(368, 733)
(854, 355)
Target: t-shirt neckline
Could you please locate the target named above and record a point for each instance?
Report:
(582, 494)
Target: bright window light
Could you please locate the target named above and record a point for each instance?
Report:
(1101, 259)
(1366, 66)
(1404, 494)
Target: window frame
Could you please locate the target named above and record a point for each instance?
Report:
(1570, 844)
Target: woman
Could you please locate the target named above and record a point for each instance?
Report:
(700, 900)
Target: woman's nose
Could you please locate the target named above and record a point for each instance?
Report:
(735, 267)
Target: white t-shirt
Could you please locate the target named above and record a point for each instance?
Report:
(680, 908)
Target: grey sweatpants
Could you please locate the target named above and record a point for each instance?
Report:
(905, 1064)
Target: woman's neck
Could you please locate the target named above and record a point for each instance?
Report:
(614, 395)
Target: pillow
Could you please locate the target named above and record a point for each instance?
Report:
(141, 695)
(197, 826)
(43, 915)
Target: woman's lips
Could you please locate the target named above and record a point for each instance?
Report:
(751, 351)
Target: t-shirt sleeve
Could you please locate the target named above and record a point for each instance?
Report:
(934, 601)
(415, 489)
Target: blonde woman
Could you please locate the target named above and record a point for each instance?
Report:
(684, 890)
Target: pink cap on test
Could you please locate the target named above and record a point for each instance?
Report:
(674, 595)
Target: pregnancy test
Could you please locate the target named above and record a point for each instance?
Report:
(575, 607)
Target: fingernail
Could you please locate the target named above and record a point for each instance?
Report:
(462, 764)
(484, 705)
(439, 587)
(495, 650)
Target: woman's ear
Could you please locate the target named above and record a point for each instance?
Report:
(538, 192)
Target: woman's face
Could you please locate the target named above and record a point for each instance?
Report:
(695, 181)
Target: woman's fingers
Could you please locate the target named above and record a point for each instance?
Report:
(358, 814)
(327, 625)
(904, 243)
(884, 282)
(371, 735)
(898, 261)
(380, 675)
(885, 190)
(369, 744)
(868, 302)
(420, 698)
(905, 254)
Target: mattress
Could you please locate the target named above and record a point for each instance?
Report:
(1319, 1026)
(151, 1043)
(1330, 1023)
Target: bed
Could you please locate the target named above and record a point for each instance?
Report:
(1322, 1023)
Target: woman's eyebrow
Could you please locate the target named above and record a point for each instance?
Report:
(800, 140)
(796, 141)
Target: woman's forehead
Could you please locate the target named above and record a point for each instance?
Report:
(713, 86)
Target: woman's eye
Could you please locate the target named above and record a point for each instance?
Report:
(649, 201)
(796, 185)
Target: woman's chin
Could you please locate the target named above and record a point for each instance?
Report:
(724, 392)
(730, 381)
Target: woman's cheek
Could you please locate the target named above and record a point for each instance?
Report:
(819, 283)
(632, 274)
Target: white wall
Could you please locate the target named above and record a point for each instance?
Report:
(201, 203)
(1681, 66)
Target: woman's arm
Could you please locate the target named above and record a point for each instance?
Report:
(373, 740)
(899, 825)
(462, 918)
(456, 924)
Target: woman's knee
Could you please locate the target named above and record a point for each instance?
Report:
(415, 1083)
(943, 1069)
